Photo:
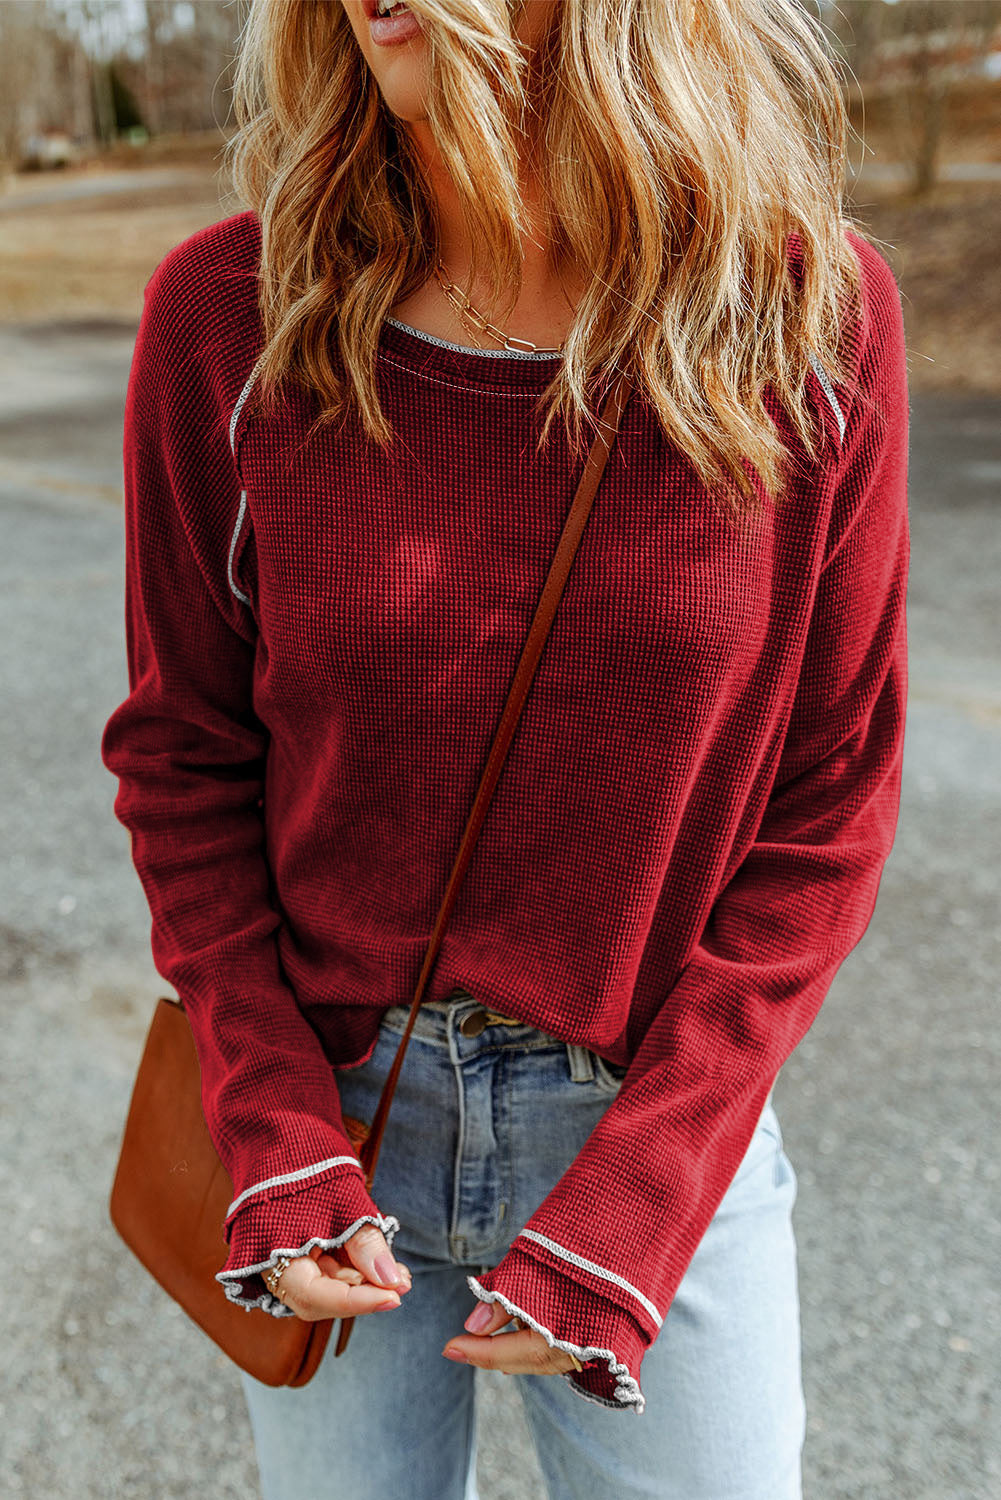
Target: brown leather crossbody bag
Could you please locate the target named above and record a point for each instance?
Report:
(171, 1191)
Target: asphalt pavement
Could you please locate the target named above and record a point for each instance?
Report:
(888, 1107)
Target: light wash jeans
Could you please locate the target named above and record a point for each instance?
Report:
(479, 1131)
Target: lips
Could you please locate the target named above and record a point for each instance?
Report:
(389, 31)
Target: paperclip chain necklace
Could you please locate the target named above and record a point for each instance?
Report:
(478, 322)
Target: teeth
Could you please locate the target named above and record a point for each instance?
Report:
(385, 6)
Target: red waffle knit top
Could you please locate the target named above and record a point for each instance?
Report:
(684, 844)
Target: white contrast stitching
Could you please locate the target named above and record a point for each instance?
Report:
(237, 409)
(627, 1390)
(296, 1176)
(464, 349)
(596, 1270)
(828, 390)
(243, 493)
(232, 547)
(389, 1225)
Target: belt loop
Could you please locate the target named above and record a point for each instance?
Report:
(581, 1063)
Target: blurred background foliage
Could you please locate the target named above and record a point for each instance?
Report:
(113, 114)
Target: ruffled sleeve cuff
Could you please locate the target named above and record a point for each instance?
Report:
(324, 1213)
(608, 1342)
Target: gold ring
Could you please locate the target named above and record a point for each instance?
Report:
(272, 1277)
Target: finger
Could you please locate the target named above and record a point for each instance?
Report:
(331, 1267)
(368, 1251)
(312, 1295)
(486, 1318)
(522, 1353)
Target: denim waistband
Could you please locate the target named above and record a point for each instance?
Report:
(432, 1019)
(438, 1022)
(432, 1025)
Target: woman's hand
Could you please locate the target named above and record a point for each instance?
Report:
(523, 1353)
(355, 1279)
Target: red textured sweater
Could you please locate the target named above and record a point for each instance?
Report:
(686, 840)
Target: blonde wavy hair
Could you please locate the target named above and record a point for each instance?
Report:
(701, 135)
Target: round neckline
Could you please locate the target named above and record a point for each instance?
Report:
(426, 354)
(432, 338)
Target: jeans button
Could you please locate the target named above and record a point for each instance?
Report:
(474, 1023)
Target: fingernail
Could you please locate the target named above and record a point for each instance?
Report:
(457, 1355)
(383, 1306)
(478, 1318)
(387, 1270)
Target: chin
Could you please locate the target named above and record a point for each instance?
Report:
(402, 82)
(408, 106)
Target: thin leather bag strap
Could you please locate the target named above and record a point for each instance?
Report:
(573, 530)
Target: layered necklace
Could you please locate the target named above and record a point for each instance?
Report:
(478, 322)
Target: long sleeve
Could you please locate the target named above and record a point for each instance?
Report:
(190, 755)
(598, 1264)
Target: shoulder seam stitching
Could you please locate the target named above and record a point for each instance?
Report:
(828, 390)
(243, 493)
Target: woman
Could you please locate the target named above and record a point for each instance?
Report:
(341, 502)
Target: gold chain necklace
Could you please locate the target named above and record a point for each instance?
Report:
(469, 314)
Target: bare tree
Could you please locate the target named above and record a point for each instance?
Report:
(186, 55)
(102, 22)
(946, 38)
(914, 54)
(20, 44)
(158, 19)
(44, 77)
